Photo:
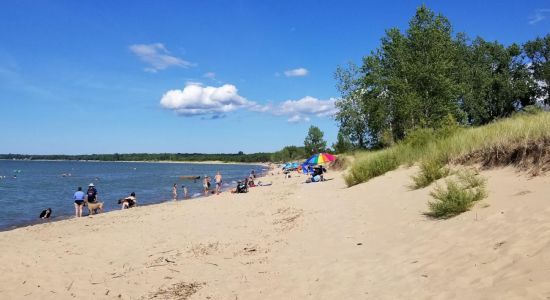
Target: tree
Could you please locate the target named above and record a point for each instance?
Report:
(418, 78)
(497, 82)
(343, 143)
(538, 52)
(314, 142)
(289, 153)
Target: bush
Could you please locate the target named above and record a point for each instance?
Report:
(458, 196)
(430, 171)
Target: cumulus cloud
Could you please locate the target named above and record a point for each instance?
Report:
(308, 106)
(211, 102)
(300, 110)
(296, 72)
(196, 100)
(539, 15)
(158, 57)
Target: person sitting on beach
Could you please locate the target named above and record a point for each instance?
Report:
(91, 194)
(129, 201)
(251, 182)
(241, 187)
(218, 180)
(78, 198)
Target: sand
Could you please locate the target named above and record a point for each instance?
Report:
(294, 241)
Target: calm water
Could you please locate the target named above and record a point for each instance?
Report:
(41, 184)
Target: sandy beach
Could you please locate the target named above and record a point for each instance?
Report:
(294, 241)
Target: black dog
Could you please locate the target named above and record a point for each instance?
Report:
(45, 214)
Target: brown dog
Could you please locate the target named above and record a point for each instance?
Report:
(94, 207)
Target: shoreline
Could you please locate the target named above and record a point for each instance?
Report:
(35, 222)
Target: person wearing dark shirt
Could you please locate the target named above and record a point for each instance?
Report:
(92, 193)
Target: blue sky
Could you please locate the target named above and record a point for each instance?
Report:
(82, 77)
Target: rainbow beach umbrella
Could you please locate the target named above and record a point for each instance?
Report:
(319, 158)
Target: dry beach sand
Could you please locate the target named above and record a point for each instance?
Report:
(294, 241)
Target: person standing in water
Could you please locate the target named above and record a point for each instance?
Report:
(218, 179)
(185, 194)
(91, 193)
(175, 192)
(206, 184)
(78, 202)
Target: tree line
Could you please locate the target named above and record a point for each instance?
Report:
(313, 143)
(430, 77)
(193, 157)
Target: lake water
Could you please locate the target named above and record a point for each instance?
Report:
(31, 186)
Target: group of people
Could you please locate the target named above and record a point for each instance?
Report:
(82, 198)
(206, 184)
(91, 197)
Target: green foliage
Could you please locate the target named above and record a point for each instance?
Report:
(538, 52)
(496, 81)
(314, 142)
(343, 144)
(289, 153)
(458, 196)
(426, 77)
(373, 165)
(430, 171)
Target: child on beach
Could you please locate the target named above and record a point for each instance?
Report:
(206, 184)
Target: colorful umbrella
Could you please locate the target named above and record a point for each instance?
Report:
(319, 158)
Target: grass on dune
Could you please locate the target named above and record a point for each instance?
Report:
(458, 196)
(521, 140)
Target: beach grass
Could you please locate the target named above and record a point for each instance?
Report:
(430, 171)
(521, 140)
(458, 196)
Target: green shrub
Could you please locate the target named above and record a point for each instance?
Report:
(458, 196)
(430, 171)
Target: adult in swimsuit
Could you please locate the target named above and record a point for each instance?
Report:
(78, 202)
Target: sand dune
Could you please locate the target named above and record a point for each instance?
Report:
(294, 241)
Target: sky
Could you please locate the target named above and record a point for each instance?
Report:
(84, 77)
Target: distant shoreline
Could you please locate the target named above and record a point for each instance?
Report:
(206, 162)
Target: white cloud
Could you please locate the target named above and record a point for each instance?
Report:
(539, 15)
(196, 100)
(308, 106)
(296, 72)
(300, 110)
(215, 102)
(158, 57)
(209, 75)
(298, 119)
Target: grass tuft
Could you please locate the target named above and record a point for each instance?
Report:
(458, 196)
(430, 171)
